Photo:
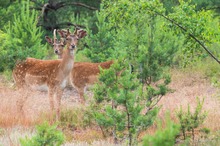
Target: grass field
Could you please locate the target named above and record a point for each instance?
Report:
(186, 85)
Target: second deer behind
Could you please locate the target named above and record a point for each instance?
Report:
(83, 74)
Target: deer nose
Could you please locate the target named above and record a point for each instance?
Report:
(73, 46)
(56, 51)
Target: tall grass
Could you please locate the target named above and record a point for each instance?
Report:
(77, 122)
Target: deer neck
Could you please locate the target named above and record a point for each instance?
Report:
(59, 56)
(66, 64)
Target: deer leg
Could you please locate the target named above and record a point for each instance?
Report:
(50, 95)
(59, 94)
(81, 95)
(21, 100)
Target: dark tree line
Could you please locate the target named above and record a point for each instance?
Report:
(53, 10)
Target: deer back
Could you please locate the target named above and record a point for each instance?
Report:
(86, 73)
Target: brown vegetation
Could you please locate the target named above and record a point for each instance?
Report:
(186, 87)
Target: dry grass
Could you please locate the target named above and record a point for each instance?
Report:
(11, 136)
(187, 86)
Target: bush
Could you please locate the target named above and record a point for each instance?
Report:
(163, 136)
(189, 121)
(77, 117)
(132, 109)
(46, 135)
(144, 43)
(22, 39)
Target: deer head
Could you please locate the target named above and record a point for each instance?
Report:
(66, 36)
(57, 45)
(78, 33)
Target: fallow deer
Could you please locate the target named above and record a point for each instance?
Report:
(83, 73)
(49, 74)
(57, 45)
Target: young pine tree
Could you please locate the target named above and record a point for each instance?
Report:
(163, 136)
(125, 116)
(189, 120)
(23, 38)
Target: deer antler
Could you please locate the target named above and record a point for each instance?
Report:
(68, 32)
(54, 35)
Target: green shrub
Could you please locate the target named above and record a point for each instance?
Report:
(145, 43)
(132, 110)
(189, 120)
(77, 117)
(22, 38)
(163, 136)
(100, 45)
(46, 135)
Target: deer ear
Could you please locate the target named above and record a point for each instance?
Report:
(49, 40)
(62, 33)
(81, 33)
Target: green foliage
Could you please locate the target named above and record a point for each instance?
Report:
(206, 4)
(77, 117)
(22, 39)
(125, 117)
(200, 4)
(7, 10)
(8, 75)
(46, 135)
(146, 43)
(201, 24)
(208, 69)
(149, 47)
(189, 121)
(100, 44)
(163, 136)
(205, 130)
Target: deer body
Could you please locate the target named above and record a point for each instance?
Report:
(82, 75)
(85, 74)
(51, 75)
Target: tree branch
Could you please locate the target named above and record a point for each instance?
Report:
(190, 34)
(63, 4)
